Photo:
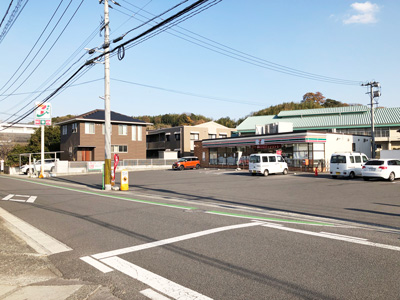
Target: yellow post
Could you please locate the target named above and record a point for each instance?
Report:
(124, 180)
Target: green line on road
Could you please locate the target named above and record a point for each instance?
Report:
(270, 219)
(174, 205)
(105, 195)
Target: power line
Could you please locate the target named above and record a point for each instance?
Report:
(52, 89)
(40, 36)
(247, 58)
(5, 15)
(90, 63)
(40, 62)
(13, 17)
(189, 93)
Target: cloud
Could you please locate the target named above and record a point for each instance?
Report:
(365, 13)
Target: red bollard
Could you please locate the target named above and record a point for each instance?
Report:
(316, 171)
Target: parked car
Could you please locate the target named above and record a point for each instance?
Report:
(267, 163)
(49, 165)
(187, 162)
(381, 168)
(347, 164)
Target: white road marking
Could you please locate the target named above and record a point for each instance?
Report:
(153, 295)
(29, 199)
(155, 281)
(8, 197)
(337, 237)
(345, 236)
(95, 263)
(172, 240)
(37, 239)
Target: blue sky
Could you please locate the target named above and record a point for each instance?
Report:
(348, 40)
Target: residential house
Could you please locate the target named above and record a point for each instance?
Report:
(82, 137)
(181, 138)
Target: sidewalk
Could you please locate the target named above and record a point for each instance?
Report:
(27, 275)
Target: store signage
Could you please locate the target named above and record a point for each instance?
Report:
(267, 146)
(43, 114)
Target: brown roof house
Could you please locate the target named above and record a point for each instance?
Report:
(82, 137)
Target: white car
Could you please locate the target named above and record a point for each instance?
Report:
(347, 164)
(381, 168)
(49, 166)
(267, 163)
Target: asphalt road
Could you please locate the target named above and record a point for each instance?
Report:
(215, 234)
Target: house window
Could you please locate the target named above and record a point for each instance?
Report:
(74, 127)
(89, 128)
(194, 136)
(139, 133)
(133, 132)
(177, 136)
(123, 129)
(212, 136)
(167, 137)
(119, 148)
(64, 129)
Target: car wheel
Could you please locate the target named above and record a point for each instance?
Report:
(366, 178)
(285, 172)
(266, 173)
(181, 168)
(391, 177)
(334, 176)
(197, 166)
(352, 175)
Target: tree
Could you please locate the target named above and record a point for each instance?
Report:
(51, 139)
(228, 122)
(314, 97)
(334, 103)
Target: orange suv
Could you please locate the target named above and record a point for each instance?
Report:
(187, 162)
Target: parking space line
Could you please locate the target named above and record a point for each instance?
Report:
(153, 280)
(153, 295)
(354, 240)
(96, 264)
(172, 240)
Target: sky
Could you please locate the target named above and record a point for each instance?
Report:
(220, 62)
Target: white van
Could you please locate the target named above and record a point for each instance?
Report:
(267, 163)
(347, 164)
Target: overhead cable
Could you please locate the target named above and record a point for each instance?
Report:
(90, 63)
(5, 15)
(247, 58)
(13, 17)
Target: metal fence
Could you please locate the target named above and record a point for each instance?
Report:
(82, 167)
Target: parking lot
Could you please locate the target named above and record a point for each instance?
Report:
(374, 202)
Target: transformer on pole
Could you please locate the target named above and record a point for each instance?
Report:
(375, 92)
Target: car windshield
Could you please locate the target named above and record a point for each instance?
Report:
(254, 159)
(375, 163)
(181, 160)
(338, 159)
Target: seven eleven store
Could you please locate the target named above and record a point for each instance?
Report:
(302, 150)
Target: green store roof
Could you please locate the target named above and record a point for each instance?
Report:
(323, 118)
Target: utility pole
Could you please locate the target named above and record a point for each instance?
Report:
(107, 110)
(373, 94)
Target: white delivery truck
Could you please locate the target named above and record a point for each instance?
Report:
(347, 164)
(267, 163)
